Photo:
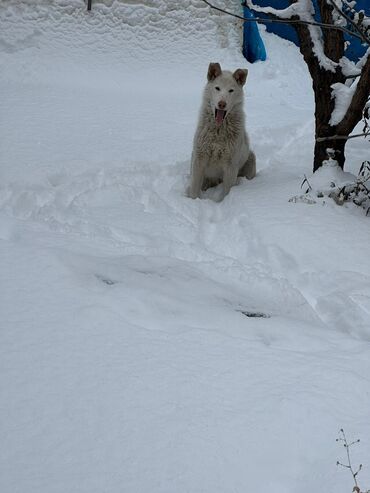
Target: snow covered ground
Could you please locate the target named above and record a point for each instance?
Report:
(128, 363)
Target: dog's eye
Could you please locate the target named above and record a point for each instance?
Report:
(217, 88)
(231, 90)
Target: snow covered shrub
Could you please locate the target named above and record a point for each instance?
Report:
(330, 181)
(357, 192)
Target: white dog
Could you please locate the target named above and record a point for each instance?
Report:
(221, 149)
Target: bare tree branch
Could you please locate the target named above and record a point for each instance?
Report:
(353, 76)
(340, 137)
(259, 20)
(349, 465)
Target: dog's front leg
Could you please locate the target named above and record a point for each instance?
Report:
(198, 167)
(230, 175)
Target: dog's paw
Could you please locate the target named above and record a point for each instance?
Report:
(192, 194)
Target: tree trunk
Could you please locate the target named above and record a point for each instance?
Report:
(322, 80)
(321, 152)
(324, 106)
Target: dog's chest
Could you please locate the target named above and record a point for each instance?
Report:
(217, 144)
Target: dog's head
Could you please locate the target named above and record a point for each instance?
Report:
(225, 90)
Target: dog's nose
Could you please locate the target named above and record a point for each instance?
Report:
(221, 105)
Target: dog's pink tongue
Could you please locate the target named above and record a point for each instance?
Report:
(219, 116)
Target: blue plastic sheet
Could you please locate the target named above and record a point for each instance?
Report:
(253, 47)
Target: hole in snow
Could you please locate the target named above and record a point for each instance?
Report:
(106, 280)
(255, 314)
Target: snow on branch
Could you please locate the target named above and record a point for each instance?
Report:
(343, 96)
(318, 48)
(287, 13)
(356, 103)
(338, 14)
(361, 63)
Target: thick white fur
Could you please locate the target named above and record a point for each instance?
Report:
(221, 152)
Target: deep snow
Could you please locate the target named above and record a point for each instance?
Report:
(127, 364)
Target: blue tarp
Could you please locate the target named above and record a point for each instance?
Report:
(253, 47)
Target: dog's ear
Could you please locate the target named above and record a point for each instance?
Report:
(214, 70)
(240, 75)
